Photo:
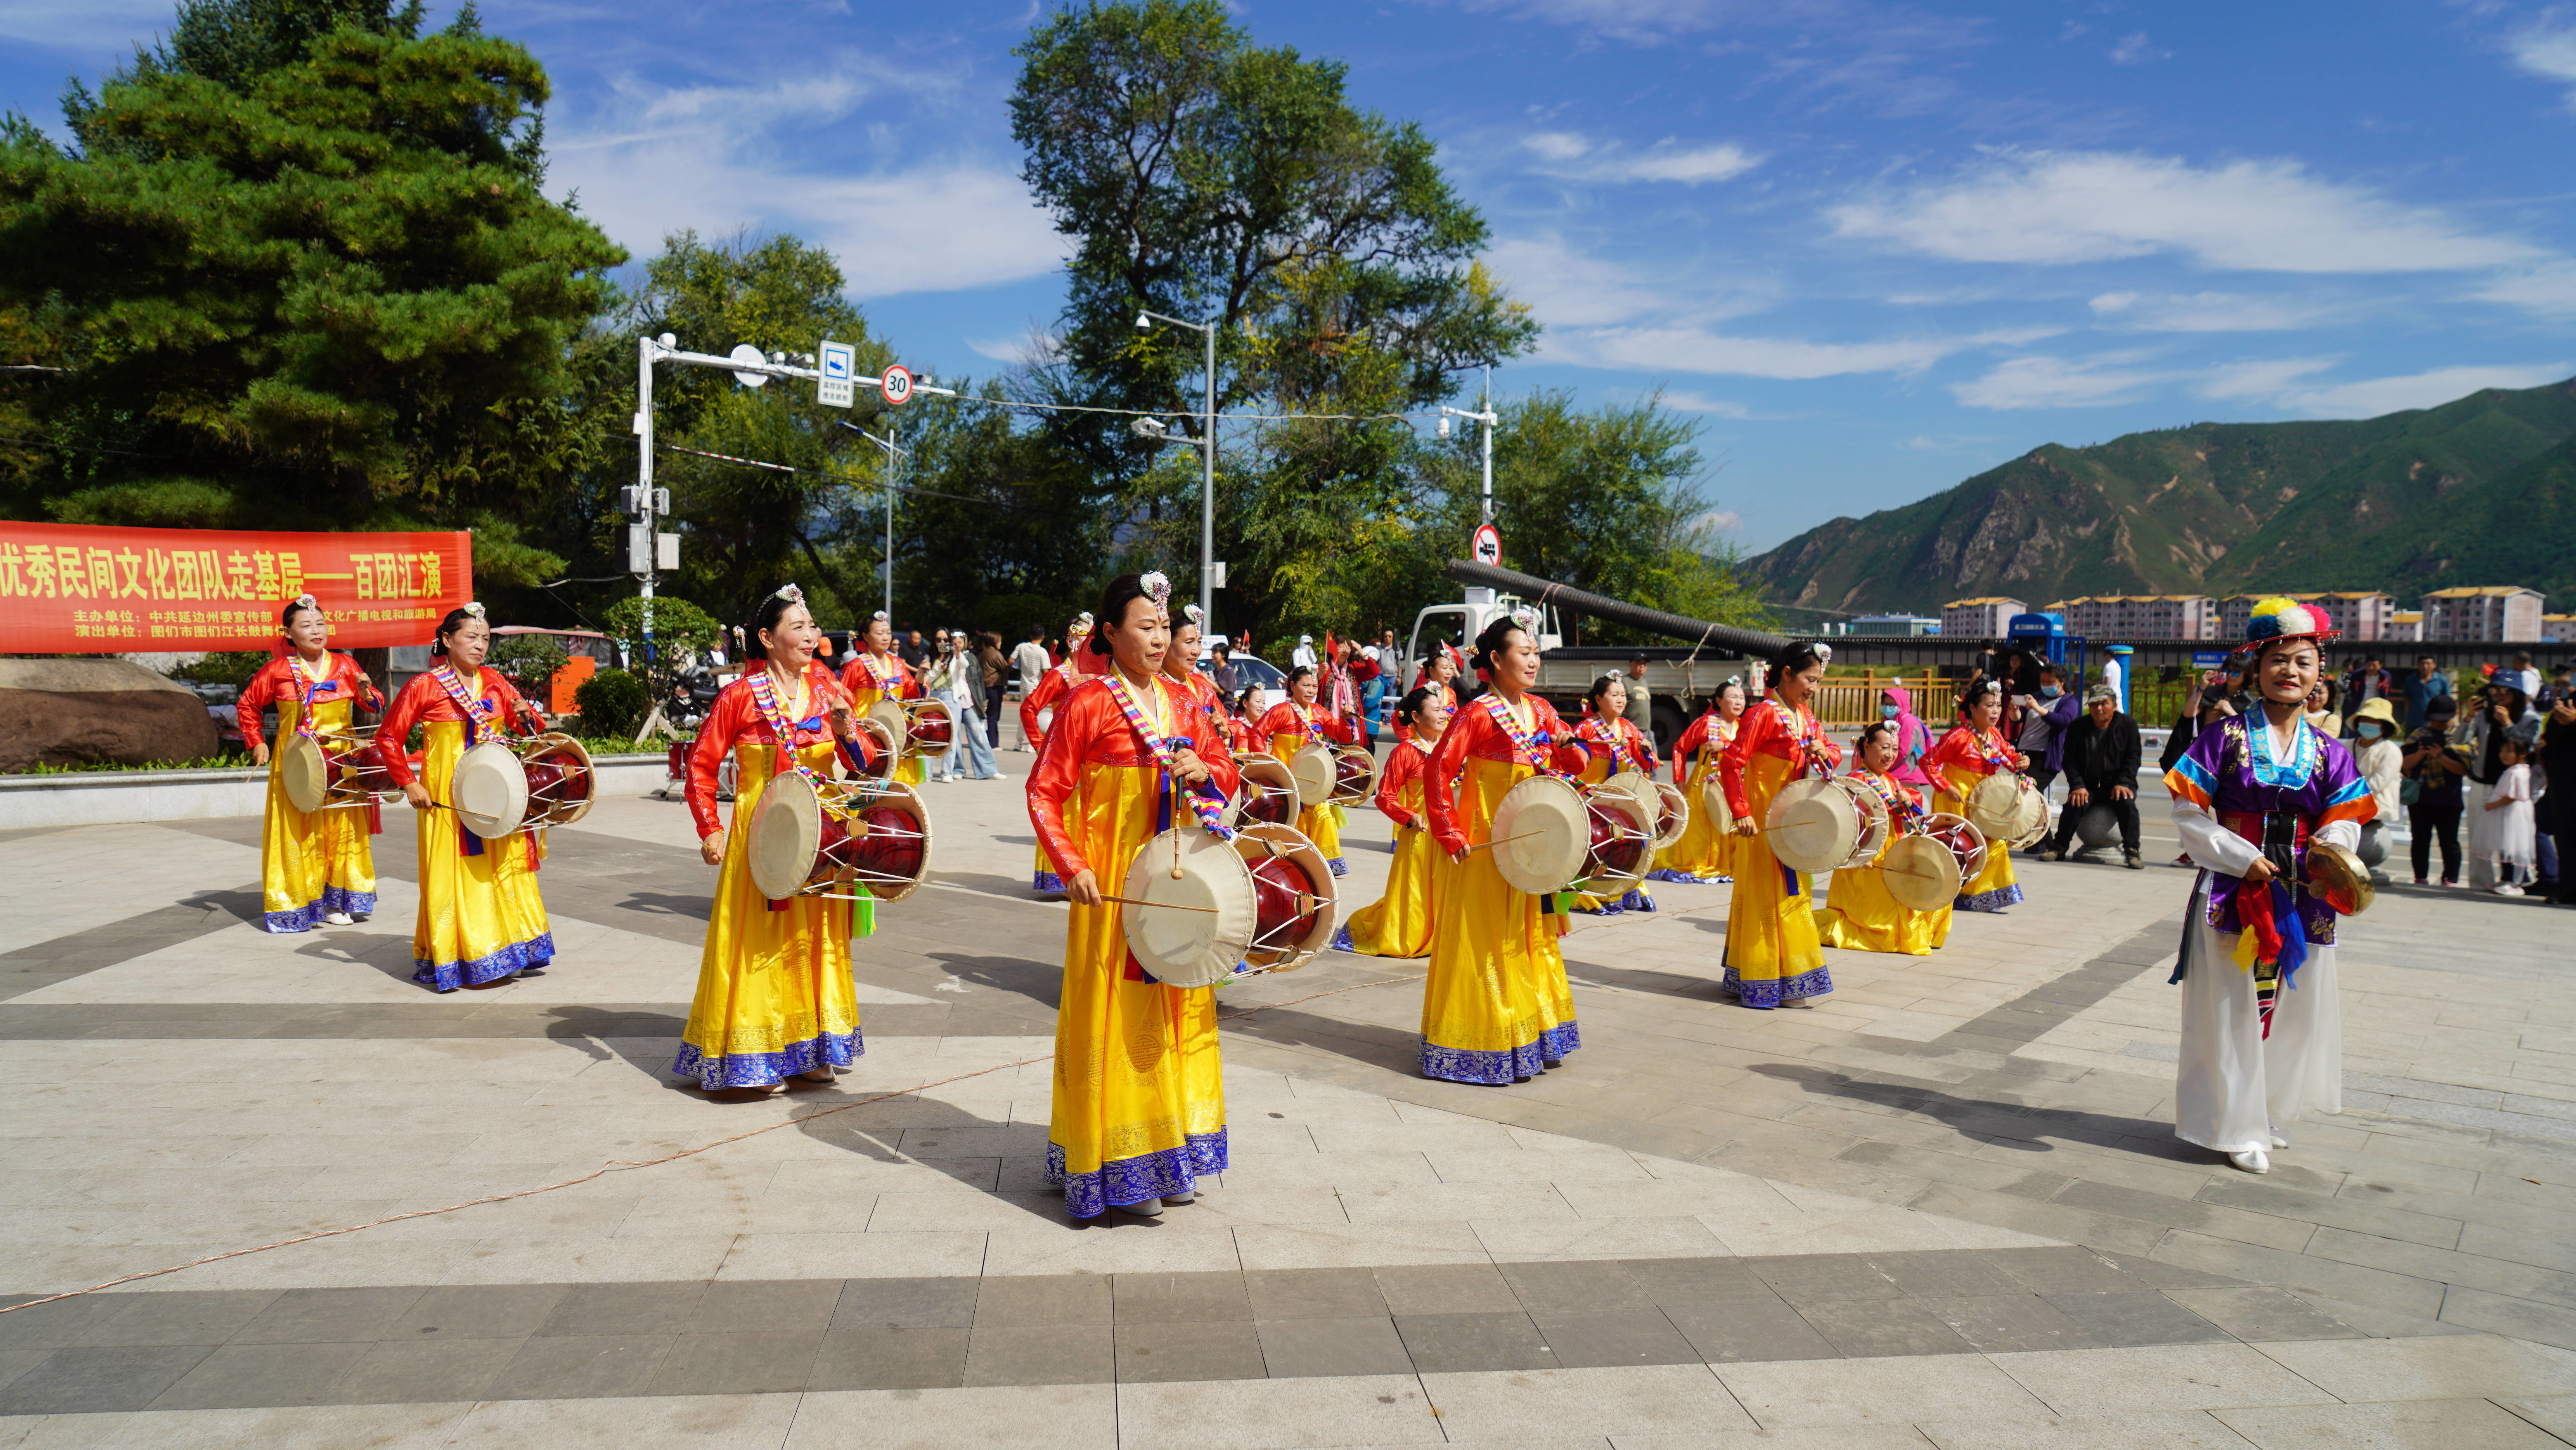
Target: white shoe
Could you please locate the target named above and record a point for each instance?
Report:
(2279, 1142)
(2508, 889)
(1150, 1208)
(2252, 1160)
(1169, 1199)
(335, 918)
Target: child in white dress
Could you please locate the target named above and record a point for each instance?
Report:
(2504, 829)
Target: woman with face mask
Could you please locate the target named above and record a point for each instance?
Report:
(481, 919)
(2382, 764)
(314, 866)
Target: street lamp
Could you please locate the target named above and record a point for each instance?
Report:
(1207, 447)
(1489, 418)
(894, 453)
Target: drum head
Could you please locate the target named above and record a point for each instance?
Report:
(1712, 799)
(1268, 793)
(1544, 834)
(1673, 814)
(1995, 808)
(888, 746)
(1197, 926)
(1965, 843)
(1639, 784)
(1921, 873)
(1813, 825)
(894, 858)
(2034, 815)
(887, 714)
(490, 790)
(1256, 843)
(1314, 767)
(1354, 773)
(2337, 877)
(786, 830)
(304, 773)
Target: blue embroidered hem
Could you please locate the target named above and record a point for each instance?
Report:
(765, 1069)
(1134, 1180)
(1340, 866)
(1467, 1064)
(1667, 873)
(509, 960)
(310, 914)
(1046, 883)
(1991, 900)
(1342, 940)
(1766, 995)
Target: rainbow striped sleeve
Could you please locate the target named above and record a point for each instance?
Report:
(2189, 780)
(2353, 802)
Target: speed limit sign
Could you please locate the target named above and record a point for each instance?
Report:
(1488, 546)
(896, 384)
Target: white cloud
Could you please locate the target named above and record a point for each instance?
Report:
(1577, 157)
(2549, 288)
(1696, 350)
(2206, 312)
(2267, 378)
(113, 27)
(1719, 521)
(1685, 401)
(1565, 288)
(2050, 382)
(2133, 49)
(718, 158)
(2269, 216)
(2546, 50)
(2371, 397)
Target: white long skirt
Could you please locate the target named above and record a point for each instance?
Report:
(2234, 1085)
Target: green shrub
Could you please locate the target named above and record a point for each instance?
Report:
(612, 703)
(530, 660)
(678, 626)
(226, 667)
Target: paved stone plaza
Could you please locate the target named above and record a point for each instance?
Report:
(1943, 1209)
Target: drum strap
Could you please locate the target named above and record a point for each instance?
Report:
(1532, 746)
(1209, 807)
(309, 687)
(1606, 733)
(789, 735)
(476, 712)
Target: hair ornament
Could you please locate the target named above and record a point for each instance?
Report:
(1156, 587)
(1526, 618)
(793, 595)
(474, 608)
(1992, 687)
(307, 601)
(1193, 614)
(1824, 652)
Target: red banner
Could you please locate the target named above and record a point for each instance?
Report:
(76, 589)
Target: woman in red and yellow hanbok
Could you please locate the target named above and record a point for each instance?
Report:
(1773, 956)
(1860, 913)
(315, 867)
(775, 996)
(1495, 1008)
(1037, 706)
(482, 920)
(878, 673)
(1399, 924)
(1606, 743)
(1139, 1108)
(1704, 853)
(1973, 750)
(1289, 725)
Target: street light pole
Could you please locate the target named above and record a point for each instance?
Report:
(894, 452)
(1489, 418)
(1207, 483)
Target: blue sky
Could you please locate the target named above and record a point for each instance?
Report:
(1874, 247)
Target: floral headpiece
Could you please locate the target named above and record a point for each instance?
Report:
(879, 617)
(791, 594)
(1527, 619)
(1824, 652)
(474, 608)
(1193, 614)
(1156, 587)
(1081, 623)
(307, 601)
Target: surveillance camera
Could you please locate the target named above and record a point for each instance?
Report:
(1144, 323)
(1443, 429)
(1150, 429)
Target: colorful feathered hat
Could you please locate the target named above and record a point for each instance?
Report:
(2284, 618)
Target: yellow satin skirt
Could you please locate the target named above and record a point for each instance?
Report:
(1703, 853)
(1860, 914)
(1995, 887)
(1139, 1107)
(481, 918)
(1772, 952)
(774, 990)
(1399, 924)
(312, 863)
(1495, 1007)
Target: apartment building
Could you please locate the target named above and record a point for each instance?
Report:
(2496, 614)
(2140, 616)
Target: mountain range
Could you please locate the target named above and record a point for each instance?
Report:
(2479, 491)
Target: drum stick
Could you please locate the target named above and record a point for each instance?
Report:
(1158, 905)
(1505, 841)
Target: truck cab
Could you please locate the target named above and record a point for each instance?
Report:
(1459, 624)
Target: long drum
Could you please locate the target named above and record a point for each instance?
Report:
(1317, 770)
(1825, 823)
(330, 770)
(1672, 814)
(838, 839)
(1296, 904)
(1925, 868)
(1354, 774)
(924, 728)
(1713, 801)
(1620, 832)
(1267, 795)
(561, 779)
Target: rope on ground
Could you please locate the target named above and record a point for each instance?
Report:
(622, 1164)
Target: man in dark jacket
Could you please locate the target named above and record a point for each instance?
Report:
(2101, 755)
(2558, 758)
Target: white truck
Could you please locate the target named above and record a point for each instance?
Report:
(1681, 678)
